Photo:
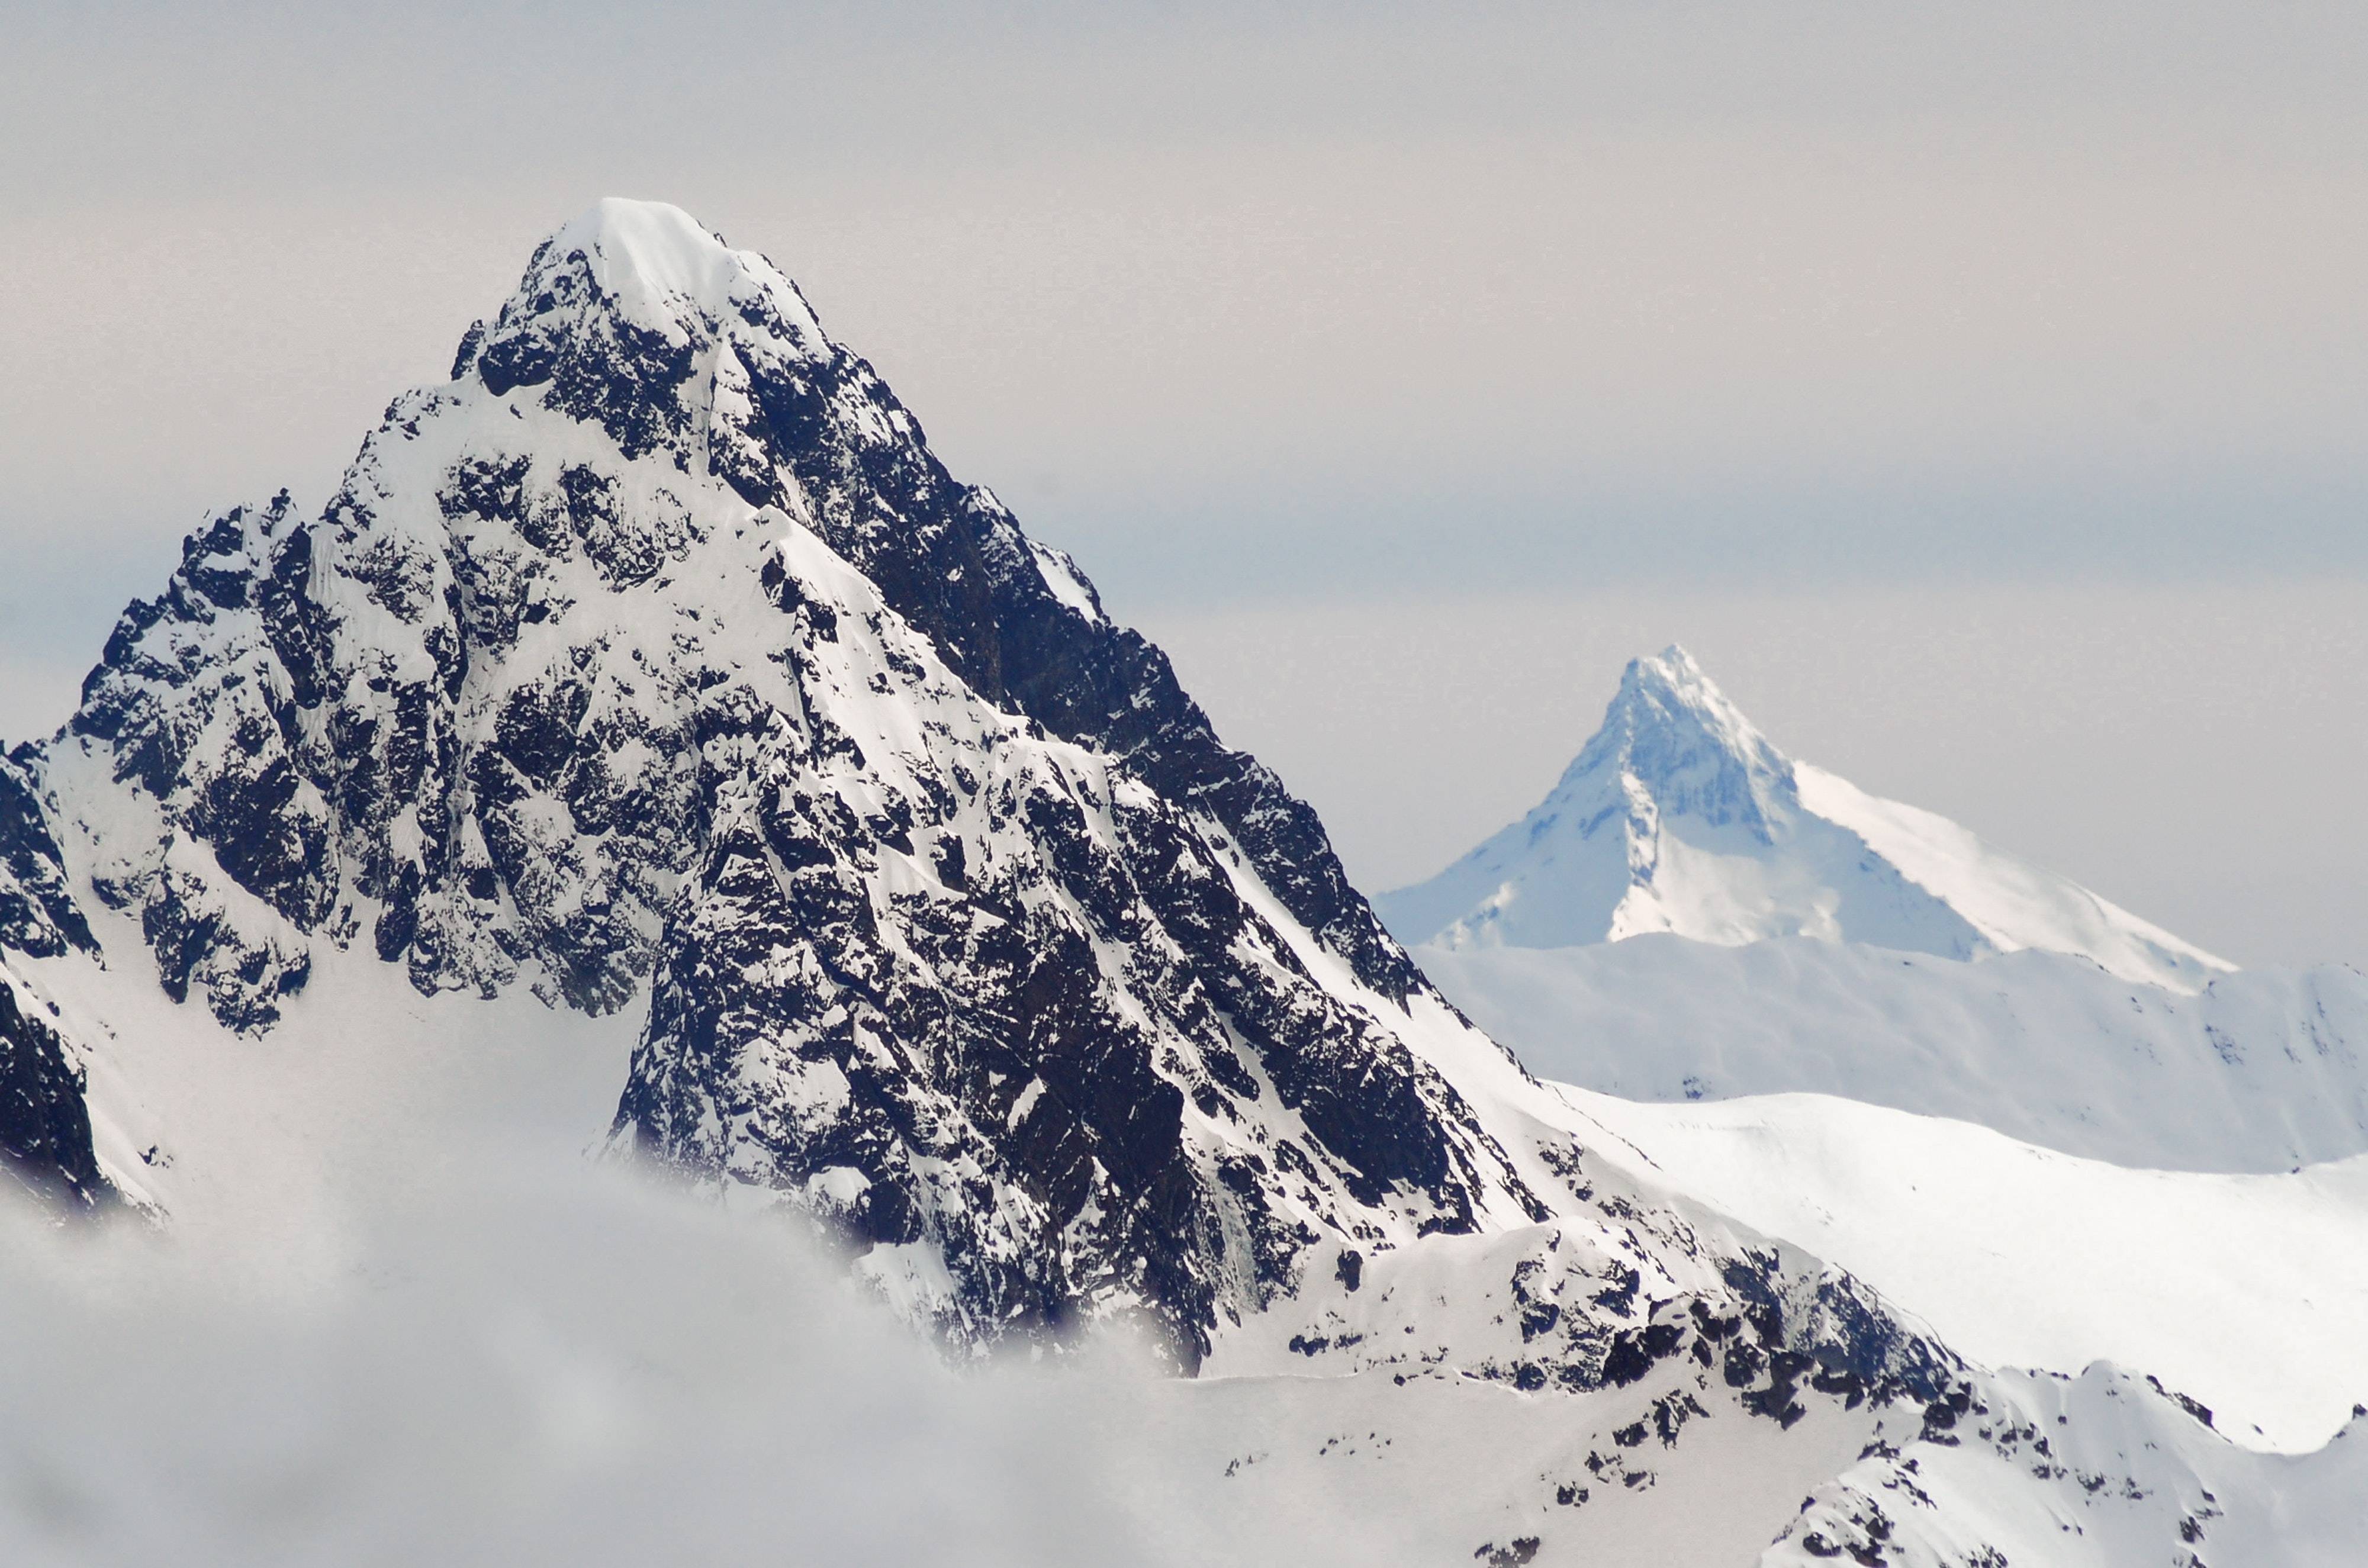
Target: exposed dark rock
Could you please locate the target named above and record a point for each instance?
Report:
(38, 912)
(44, 1125)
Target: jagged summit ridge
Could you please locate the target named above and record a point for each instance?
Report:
(1678, 815)
(656, 259)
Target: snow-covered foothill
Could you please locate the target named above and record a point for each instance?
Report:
(2246, 1293)
(2260, 1071)
(2106, 1469)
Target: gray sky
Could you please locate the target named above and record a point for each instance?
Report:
(1980, 391)
(2191, 750)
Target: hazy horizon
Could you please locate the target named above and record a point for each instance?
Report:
(1979, 398)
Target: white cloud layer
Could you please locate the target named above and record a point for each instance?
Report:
(510, 1365)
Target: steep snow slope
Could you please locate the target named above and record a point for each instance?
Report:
(2247, 1292)
(2261, 1071)
(1679, 816)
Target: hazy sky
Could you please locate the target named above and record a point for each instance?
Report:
(1980, 390)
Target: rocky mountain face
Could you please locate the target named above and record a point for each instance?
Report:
(655, 661)
(655, 655)
(1679, 816)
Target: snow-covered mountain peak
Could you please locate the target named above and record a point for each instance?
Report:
(1671, 737)
(657, 266)
(1679, 816)
(634, 317)
(655, 245)
(1669, 688)
(654, 662)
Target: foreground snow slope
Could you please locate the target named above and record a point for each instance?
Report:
(1678, 815)
(2262, 1070)
(2247, 1292)
(2125, 1479)
(389, 1272)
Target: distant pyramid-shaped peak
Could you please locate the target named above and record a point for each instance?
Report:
(1679, 816)
(1667, 693)
(1671, 738)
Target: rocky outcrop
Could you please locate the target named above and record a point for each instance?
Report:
(38, 912)
(45, 1142)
